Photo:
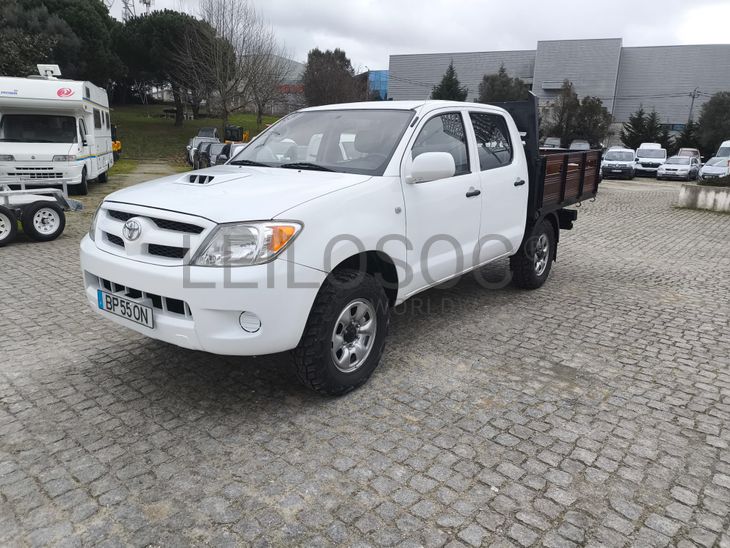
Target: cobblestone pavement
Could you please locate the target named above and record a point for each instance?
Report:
(594, 411)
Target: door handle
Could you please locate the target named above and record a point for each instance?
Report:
(473, 192)
(519, 182)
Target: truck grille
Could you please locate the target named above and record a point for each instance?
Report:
(165, 237)
(36, 173)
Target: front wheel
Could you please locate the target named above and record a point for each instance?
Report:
(345, 334)
(83, 187)
(532, 263)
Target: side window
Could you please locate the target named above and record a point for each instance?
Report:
(493, 144)
(97, 119)
(82, 129)
(445, 133)
(106, 118)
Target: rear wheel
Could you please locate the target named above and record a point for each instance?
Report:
(532, 263)
(8, 226)
(43, 221)
(345, 334)
(103, 177)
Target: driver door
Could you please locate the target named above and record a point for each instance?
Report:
(84, 155)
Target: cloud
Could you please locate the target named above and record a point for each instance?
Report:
(371, 30)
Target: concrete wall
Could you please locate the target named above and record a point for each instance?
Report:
(663, 77)
(592, 66)
(713, 198)
(412, 77)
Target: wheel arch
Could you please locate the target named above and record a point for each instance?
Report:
(377, 263)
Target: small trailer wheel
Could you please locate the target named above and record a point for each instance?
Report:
(8, 226)
(43, 221)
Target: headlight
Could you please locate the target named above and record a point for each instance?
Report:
(7, 158)
(92, 228)
(64, 158)
(246, 244)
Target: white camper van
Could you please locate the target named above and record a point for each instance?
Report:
(53, 132)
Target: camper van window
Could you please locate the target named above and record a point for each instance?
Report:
(97, 119)
(87, 93)
(106, 120)
(37, 128)
(82, 129)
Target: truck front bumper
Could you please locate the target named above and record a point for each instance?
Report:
(201, 308)
(40, 174)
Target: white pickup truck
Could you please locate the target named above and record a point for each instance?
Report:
(307, 238)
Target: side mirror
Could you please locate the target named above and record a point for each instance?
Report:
(84, 142)
(431, 166)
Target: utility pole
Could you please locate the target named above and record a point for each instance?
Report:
(694, 95)
(128, 10)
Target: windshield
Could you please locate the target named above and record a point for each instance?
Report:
(679, 160)
(717, 162)
(580, 145)
(651, 153)
(348, 141)
(37, 128)
(723, 151)
(619, 156)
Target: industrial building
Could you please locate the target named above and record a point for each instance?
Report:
(674, 80)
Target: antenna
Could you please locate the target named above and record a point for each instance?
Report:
(128, 10)
(147, 4)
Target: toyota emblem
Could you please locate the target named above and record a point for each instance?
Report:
(131, 230)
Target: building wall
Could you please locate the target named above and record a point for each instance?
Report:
(592, 66)
(413, 76)
(664, 77)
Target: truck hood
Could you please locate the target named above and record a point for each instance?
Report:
(37, 152)
(226, 193)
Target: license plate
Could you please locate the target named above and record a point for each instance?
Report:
(126, 308)
(616, 171)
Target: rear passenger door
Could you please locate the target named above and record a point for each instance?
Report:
(504, 183)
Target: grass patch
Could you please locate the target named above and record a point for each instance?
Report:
(123, 166)
(146, 135)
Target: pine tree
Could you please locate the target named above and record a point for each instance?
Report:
(634, 131)
(450, 89)
(565, 112)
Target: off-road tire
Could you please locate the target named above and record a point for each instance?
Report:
(81, 189)
(313, 359)
(8, 226)
(29, 213)
(522, 264)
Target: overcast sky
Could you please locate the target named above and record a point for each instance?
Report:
(371, 30)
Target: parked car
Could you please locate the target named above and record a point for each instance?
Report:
(236, 148)
(200, 155)
(211, 132)
(552, 142)
(714, 168)
(579, 144)
(214, 154)
(691, 152)
(724, 150)
(309, 251)
(618, 163)
(649, 156)
(679, 167)
(192, 147)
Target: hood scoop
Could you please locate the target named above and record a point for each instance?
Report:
(207, 179)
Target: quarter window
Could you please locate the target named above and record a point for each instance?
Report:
(444, 133)
(493, 144)
(97, 119)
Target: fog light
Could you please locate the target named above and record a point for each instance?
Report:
(250, 322)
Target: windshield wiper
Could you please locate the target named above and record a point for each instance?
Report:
(305, 165)
(248, 163)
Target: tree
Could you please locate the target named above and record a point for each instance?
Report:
(449, 89)
(266, 87)
(593, 122)
(329, 78)
(150, 46)
(231, 59)
(688, 137)
(714, 122)
(31, 35)
(645, 128)
(500, 87)
(565, 112)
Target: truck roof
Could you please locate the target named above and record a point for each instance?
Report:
(50, 93)
(399, 105)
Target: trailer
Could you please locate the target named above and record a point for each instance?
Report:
(41, 212)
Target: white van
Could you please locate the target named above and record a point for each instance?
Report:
(618, 163)
(53, 132)
(724, 150)
(649, 156)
